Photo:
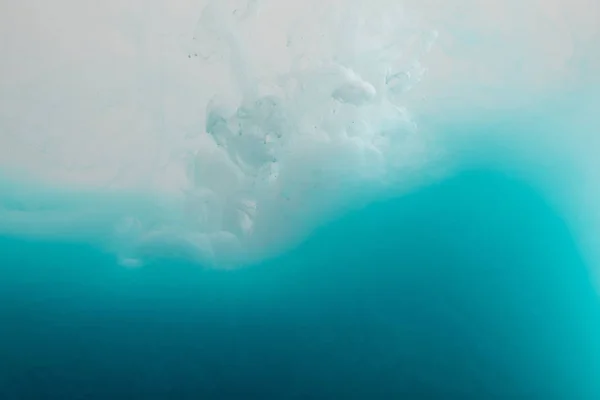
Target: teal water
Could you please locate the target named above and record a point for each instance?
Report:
(409, 189)
(473, 287)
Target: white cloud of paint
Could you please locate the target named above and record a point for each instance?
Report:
(239, 125)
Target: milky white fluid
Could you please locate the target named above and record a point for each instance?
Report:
(225, 131)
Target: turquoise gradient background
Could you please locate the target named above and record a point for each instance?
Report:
(470, 288)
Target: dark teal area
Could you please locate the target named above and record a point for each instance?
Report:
(472, 288)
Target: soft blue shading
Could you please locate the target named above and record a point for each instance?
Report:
(470, 288)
